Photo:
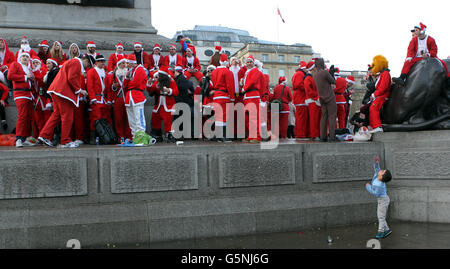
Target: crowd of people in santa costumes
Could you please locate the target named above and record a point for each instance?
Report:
(68, 92)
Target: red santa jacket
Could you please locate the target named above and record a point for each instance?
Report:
(339, 91)
(112, 61)
(166, 101)
(3, 92)
(154, 64)
(98, 89)
(286, 98)
(8, 57)
(135, 86)
(252, 84)
(196, 64)
(299, 88)
(67, 83)
(414, 46)
(383, 85)
(173, 60)
(40, 101)
(312, 96)
(264, 90)
(17, 75)
(223, 84)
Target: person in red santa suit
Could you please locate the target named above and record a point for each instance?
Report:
(381, 94)
(238, 75)
(173, 59)
(215, 59)
(314, 107)
(348, 96)
(341, 102)
(98, 85)
(192, 66)
(252, 99)
(114, 58)
(39, 117)
(81, 115)
(44, 51)
(135, 84)
(156, 60)
(422, 46)
(57, 53)
(6, 56)
(118, 98)
(22, 77)
(223, 93)
(91, 54)
(283, 92)
(64, 91)
(264, 92)
(164, 88)
(25, 47)
(142, 57)
(301, 107)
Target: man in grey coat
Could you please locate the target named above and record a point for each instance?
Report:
(324, 80)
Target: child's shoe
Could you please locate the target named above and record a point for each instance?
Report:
(379, 235)
(387, 233)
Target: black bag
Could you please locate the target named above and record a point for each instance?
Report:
(104, 131)
(279, 102)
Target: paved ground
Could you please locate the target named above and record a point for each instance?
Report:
(404, 236)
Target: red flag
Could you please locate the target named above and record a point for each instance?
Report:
(279, 13)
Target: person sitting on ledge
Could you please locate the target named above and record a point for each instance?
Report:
(422, 46)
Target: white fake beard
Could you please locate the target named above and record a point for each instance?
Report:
(121, 72)
(25, 47)
(37, 68)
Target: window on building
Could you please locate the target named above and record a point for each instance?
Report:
(265, 71)
(209, 53)
(224, 39)
(281, 58)
(265, 57)
(297, 59)
(281, 73)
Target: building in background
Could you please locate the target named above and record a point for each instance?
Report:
(279, 60)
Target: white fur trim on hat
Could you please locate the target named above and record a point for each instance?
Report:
(53, 61)
(350, 81)
(24, 53)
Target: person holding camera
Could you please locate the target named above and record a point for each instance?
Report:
(192, 66)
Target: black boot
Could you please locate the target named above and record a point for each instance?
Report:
(224, 138)
(157, 134)
(401, 81)
(170, 138)
(4, 125)
(92, 138)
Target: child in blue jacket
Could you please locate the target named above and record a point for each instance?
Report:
(378, 188)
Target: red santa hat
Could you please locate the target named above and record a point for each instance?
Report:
(223, 59)
(179, 68)
(350, 79)
(164, 70)
(138, 45)
(310, 66)
(121, 59)
(24, 39)
(120, 45)
(337, 72)
(58, 42)
(91, 44)
(251, 58)
(36, 58)
(219, 49)
(53, 60)
(422, 27)
(281, 80)
(44, 43)
(189, 49)
(24, 54)
(131, 59)
(303, 65)
(173, 46)
(157, 46)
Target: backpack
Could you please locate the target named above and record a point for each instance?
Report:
(104, 131)
(278, 102)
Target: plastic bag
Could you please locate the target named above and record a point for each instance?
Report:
(363, 134)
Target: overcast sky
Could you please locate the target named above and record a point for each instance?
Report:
(347, 33)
